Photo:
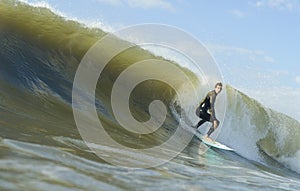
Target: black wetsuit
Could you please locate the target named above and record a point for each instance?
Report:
(207, 104)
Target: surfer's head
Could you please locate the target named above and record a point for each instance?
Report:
(218, 87)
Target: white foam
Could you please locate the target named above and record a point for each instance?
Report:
(237, 130)
(292, 162)
(43, 4)
(97, 23)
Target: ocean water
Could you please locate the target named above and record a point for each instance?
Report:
(41, 147)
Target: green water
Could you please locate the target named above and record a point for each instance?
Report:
(41, 148)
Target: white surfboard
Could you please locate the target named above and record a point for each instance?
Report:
(215, 144)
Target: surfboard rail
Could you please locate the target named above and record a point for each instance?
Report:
(214, 144)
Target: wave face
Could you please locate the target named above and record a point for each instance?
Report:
(40, 53)
(39, 56)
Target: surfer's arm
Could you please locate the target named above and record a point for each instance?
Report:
(212, 106)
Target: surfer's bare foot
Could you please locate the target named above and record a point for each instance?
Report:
(208, 138)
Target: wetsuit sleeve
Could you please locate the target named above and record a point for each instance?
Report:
(212, 99)
(202, 102)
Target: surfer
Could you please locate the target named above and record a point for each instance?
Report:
(206, 110)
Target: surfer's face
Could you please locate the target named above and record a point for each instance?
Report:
(218, 89)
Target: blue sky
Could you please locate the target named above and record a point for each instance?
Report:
(255, 42)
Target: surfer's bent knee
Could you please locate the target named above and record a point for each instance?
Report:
(216, 123)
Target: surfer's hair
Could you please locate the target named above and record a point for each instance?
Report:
(218, 84)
